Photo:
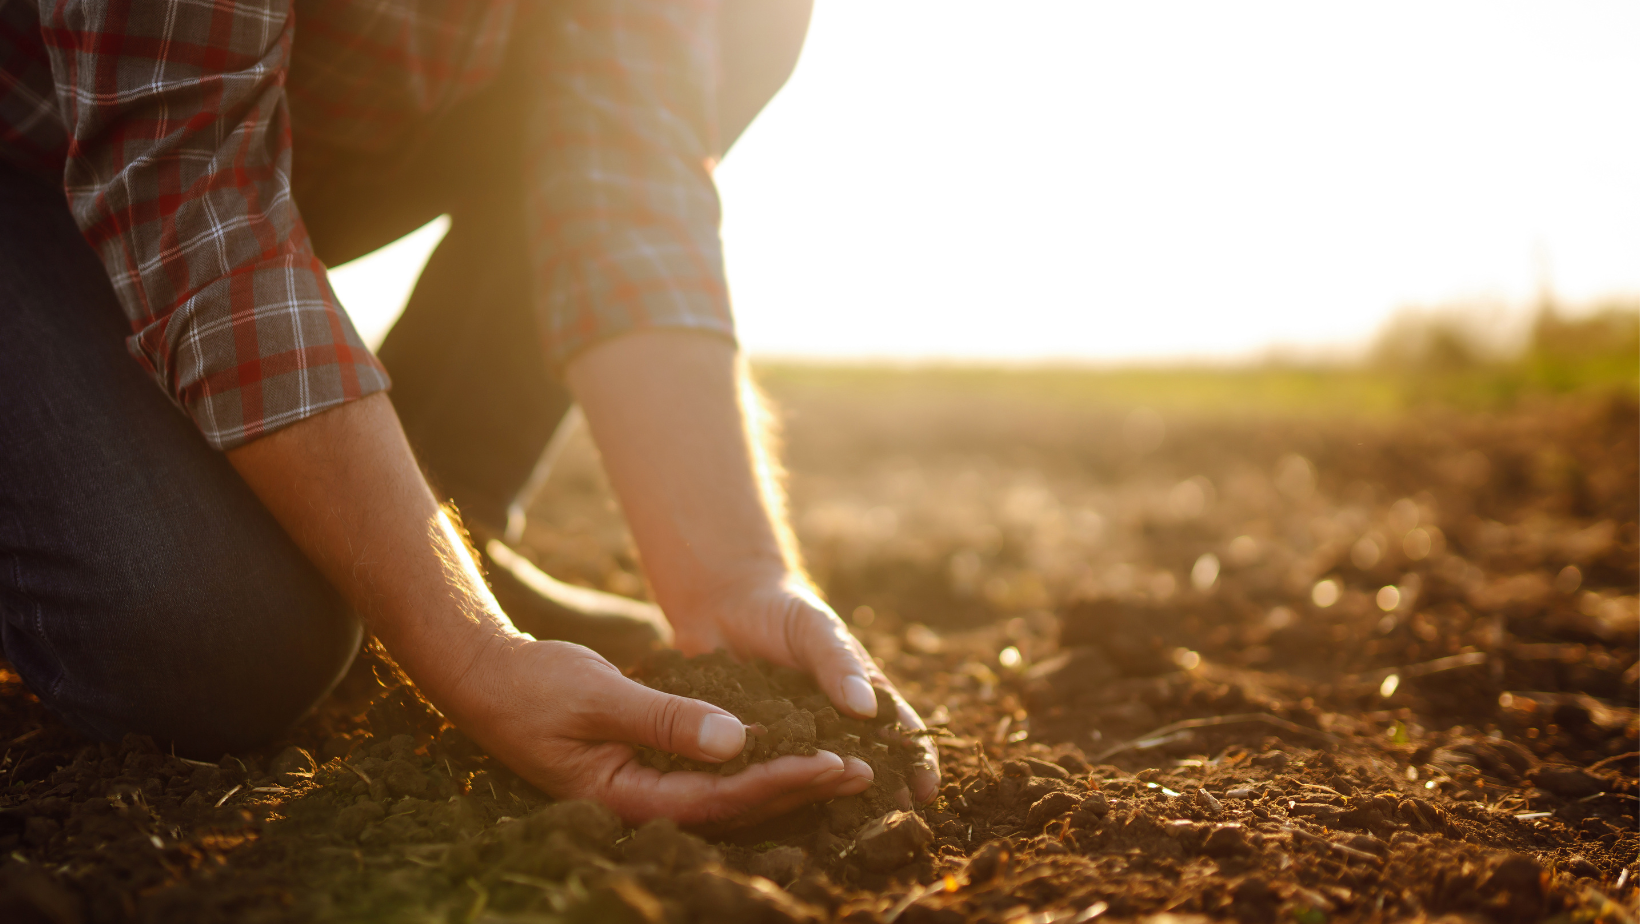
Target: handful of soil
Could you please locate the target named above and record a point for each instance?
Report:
(787, 714)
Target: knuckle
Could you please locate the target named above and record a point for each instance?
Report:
(664, 723)
(792, 630)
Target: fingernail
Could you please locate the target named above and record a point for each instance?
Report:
(721, 737)
(860, 768)
(858, 696)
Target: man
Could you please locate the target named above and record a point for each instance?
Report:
(196, 575)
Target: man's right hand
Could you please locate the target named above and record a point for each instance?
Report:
(564, 718)
(346, 488)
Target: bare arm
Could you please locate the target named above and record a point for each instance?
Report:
(346, 488)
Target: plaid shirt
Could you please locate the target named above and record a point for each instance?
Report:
(170, 123)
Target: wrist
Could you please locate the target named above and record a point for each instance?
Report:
(741, 590)
(455, 672)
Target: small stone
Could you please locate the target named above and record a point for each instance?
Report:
(1096, 804)
(291, 766)
(892, 841)
(1209, 804)
(1048, 808)
(1044, 768)
(1569, 782)
(1580, 867)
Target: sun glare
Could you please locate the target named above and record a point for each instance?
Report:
(1135, 181)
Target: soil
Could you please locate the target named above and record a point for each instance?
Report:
(1127, 730)
(786, 714)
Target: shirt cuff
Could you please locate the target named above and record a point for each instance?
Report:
(648, 279)
(259, 350)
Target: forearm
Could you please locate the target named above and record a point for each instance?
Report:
(667, 409)
(346, 487)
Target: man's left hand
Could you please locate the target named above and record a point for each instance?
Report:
(784, 622)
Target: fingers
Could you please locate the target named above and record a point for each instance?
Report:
(834, 656)
(925, 776)
(639, 793)
(825, 647)
(625, 710)
(855, 778)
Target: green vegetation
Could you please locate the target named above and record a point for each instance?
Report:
(1418, 361)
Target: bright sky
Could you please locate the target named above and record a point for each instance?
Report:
(1152, 180)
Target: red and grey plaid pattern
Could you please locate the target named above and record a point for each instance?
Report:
(169, 122)
(624, 209)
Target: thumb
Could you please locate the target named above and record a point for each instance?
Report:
(631, 712)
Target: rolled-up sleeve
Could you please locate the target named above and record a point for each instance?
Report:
(624, 212)
(178, 173)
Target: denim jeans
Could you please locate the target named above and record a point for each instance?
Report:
(143, 587)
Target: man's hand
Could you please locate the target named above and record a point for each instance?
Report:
(563, 718)
(344, 485)
(787, 624)
(666, 408)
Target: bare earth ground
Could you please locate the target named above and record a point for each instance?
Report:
(1309, 664)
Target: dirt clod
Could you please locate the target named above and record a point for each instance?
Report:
(787, 715)
(892, 841)
(1571, 782)
(1049, 807)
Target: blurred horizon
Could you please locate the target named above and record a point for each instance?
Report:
(1109, 185)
